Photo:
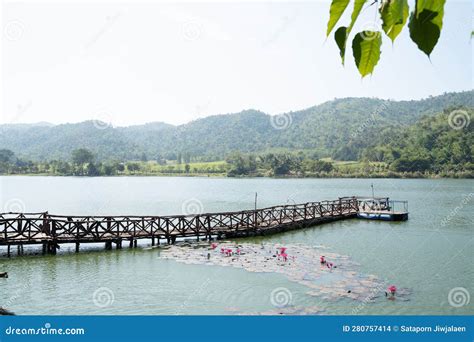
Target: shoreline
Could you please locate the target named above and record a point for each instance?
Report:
(204, 175)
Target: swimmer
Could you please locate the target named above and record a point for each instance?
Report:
(213, 245)
(322, 260)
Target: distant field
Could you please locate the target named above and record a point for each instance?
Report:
(354, 165)
(219, 168)
(152, 167)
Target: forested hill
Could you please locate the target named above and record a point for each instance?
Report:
(340, 129)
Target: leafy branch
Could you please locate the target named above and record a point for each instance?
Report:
(426, 22)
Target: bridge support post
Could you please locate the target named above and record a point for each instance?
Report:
(77, 247)
(51, 247)
(108, 245)
(153, 241)
(119, 244)
(131, 243)
(8, 251)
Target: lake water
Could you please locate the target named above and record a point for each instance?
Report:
(431, 254)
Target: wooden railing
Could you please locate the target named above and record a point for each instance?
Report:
(30, 228)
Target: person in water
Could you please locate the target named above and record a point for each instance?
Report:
(391, 291)
(322, 260)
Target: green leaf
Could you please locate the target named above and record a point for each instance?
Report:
(394, 15)
(434, 6)
(366, 49)
(341, 36)
(335, 12)
(340, 40)
(426, 23)
(358, 4)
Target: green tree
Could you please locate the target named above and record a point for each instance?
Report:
(108, 169)
(133, 167)
(120, 167)
(81, 158)
(322, 166)
(6, 156)
(92, 170)
(425, 24)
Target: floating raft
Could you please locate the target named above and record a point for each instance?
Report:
(383, 216)
(381, 208)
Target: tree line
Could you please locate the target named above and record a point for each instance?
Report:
(437, 145)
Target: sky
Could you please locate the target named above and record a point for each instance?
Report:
(135, 62)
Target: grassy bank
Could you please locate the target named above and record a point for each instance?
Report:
(339, 169)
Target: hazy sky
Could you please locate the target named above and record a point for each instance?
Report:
(130, 63)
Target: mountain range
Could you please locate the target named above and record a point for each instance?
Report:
(337, 129)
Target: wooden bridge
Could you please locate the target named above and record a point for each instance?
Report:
(19, 229)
